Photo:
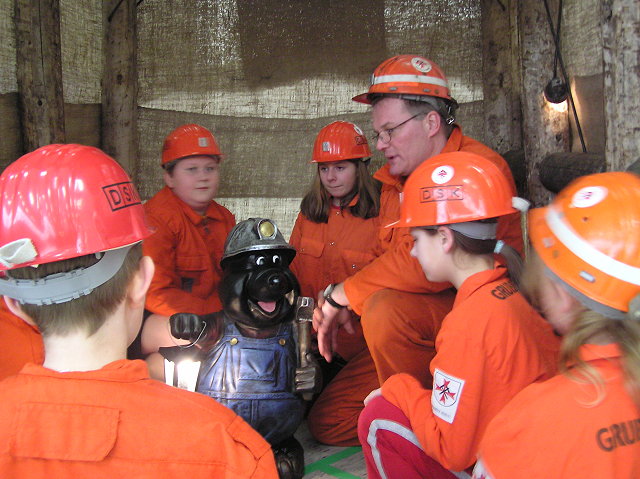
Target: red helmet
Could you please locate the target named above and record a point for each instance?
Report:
(409, 75)
(65, 201)
(189, 140)
(339, 141)
(589, 237)
(452, 188)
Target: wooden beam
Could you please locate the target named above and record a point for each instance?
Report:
(39, 72)
(120, 83)
(545, 130)
(557, 170)
(621, 55)
(501, 78)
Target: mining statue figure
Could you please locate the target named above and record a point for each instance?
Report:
(253, 356)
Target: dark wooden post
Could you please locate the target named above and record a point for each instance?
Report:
(39, 72)
(500, 67)
(545, 130)
(621, 55)
(120, 83)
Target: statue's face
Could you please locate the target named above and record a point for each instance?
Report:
(258, 289)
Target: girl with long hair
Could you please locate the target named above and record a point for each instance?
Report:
(336, 235)
(585, 279)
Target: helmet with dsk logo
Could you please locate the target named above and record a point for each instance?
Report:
(338, 141)
(589, 237)
(456, 187)
(61, 202)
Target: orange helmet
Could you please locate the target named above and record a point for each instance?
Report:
(61, 202)
(589, 237)
(455, 187)
(407, 76)
(189, 140)
(339, 141)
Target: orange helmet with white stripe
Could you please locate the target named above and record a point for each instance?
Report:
(589, 237)
(407, 76)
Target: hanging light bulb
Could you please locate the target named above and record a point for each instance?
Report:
(556, 93)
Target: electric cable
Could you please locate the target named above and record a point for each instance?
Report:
(558, 57)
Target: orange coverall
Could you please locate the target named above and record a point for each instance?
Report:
(491, 345)
(100, 424)
(21, 343)
(557, 429)
(186, 249)
(399, 320)
(329, 253)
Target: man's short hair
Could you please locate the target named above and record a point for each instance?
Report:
(424, 104)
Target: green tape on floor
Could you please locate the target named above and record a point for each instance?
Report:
(326, 465)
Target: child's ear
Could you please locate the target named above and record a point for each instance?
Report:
(14, 307)
(168, 179)
(141, 280)
(446, 238)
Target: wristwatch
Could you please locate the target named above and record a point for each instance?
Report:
(327, 297)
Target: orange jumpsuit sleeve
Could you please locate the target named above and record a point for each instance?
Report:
(295, 240)
(20, 343)
(452, 445)
(395, 268)
(165, 294)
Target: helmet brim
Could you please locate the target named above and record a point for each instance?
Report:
(362, 98)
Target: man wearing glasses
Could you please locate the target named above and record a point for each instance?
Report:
(401, 311)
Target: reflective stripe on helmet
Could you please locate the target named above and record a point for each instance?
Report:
(587, 253)
(376, 80)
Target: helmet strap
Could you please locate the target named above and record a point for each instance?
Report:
(62, 287)
(475, 229)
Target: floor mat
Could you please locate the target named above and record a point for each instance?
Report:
(322, 461)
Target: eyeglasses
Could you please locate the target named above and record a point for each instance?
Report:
(385, 135)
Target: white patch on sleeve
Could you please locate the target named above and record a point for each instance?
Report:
(445, 397)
